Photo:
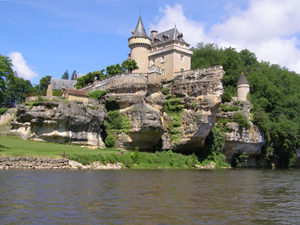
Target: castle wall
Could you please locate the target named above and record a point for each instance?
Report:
(175, 59)
(139, 52)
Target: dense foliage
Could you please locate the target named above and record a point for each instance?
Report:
(115, 122)
(96, 94)
(12, 88)
(90, 78)
(274, 93)
(65, 75)
(130, 65)
(136, 159)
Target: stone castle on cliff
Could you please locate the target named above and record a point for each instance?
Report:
(160, 58)
(160, 55)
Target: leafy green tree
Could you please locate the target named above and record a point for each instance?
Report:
(6, 73)
(114, 69)
(129, 65)
(65, 75)
(74, 75)
(90, 78)
(17, 88)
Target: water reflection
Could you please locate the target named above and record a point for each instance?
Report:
(150, 197)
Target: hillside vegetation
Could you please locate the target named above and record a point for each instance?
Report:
(274, 94)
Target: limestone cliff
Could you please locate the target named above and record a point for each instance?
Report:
(60, 122)
(143, 103)
(240, 139)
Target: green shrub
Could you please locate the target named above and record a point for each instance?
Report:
(165, 91)
(97, 94)
(192, 160)
(56, 93)
(226, 97)
(173, 105)
(234, 108)
(224, 108)
(117, 121)
(241, 160)
(3, 110)
(109, 141)
(240, 119)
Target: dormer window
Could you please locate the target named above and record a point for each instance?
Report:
(165, 37)
(179, 36)
(156, 40)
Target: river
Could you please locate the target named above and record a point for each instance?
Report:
(249, 196)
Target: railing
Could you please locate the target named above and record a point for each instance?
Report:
(186, 72)
(100, 82)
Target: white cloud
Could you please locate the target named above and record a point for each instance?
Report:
(192, 30)
(21, 67)
(269, 28)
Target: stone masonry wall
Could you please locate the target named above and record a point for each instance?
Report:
(33, 163)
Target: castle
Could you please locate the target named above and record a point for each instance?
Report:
(160, 55)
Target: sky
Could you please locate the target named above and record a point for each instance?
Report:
(48, 37)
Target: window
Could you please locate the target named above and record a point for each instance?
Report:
(163, 72)
(181, 69)
(153, 61)
(181, 58)
(163, 59)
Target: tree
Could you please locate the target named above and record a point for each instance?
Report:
(17, 88)
(89, 78)
(130, 65)
(65, 75)
(41, 88)
(6, 73)
(114, 69)
(74, 75)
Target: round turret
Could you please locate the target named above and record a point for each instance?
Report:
(139, 44)
(243, 88)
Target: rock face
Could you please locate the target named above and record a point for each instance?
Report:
(240, 139)
(201, 92)
(60, 122)
(143, 103)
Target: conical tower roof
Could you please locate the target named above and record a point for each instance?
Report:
(242, 80)
(140, 30)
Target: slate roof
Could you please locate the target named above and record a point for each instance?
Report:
(242, 80)
(59, 84)
(140, 30)
(169, 35)
(76, 92)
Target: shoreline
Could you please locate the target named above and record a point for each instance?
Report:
(27, 163)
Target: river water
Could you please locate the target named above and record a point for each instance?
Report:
(261, 196)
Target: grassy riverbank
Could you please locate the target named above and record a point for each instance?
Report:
(13, 146)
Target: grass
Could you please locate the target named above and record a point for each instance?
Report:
(14, 146)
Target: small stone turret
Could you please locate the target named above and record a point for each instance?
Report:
(140, 43)
(243, 88)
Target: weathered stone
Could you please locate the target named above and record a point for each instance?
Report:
(66, 122)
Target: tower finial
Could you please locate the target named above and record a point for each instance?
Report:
(140, 12)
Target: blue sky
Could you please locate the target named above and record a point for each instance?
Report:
(48, 37)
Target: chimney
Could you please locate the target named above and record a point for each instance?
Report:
(153, 34)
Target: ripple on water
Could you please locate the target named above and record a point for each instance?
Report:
(150, 197)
